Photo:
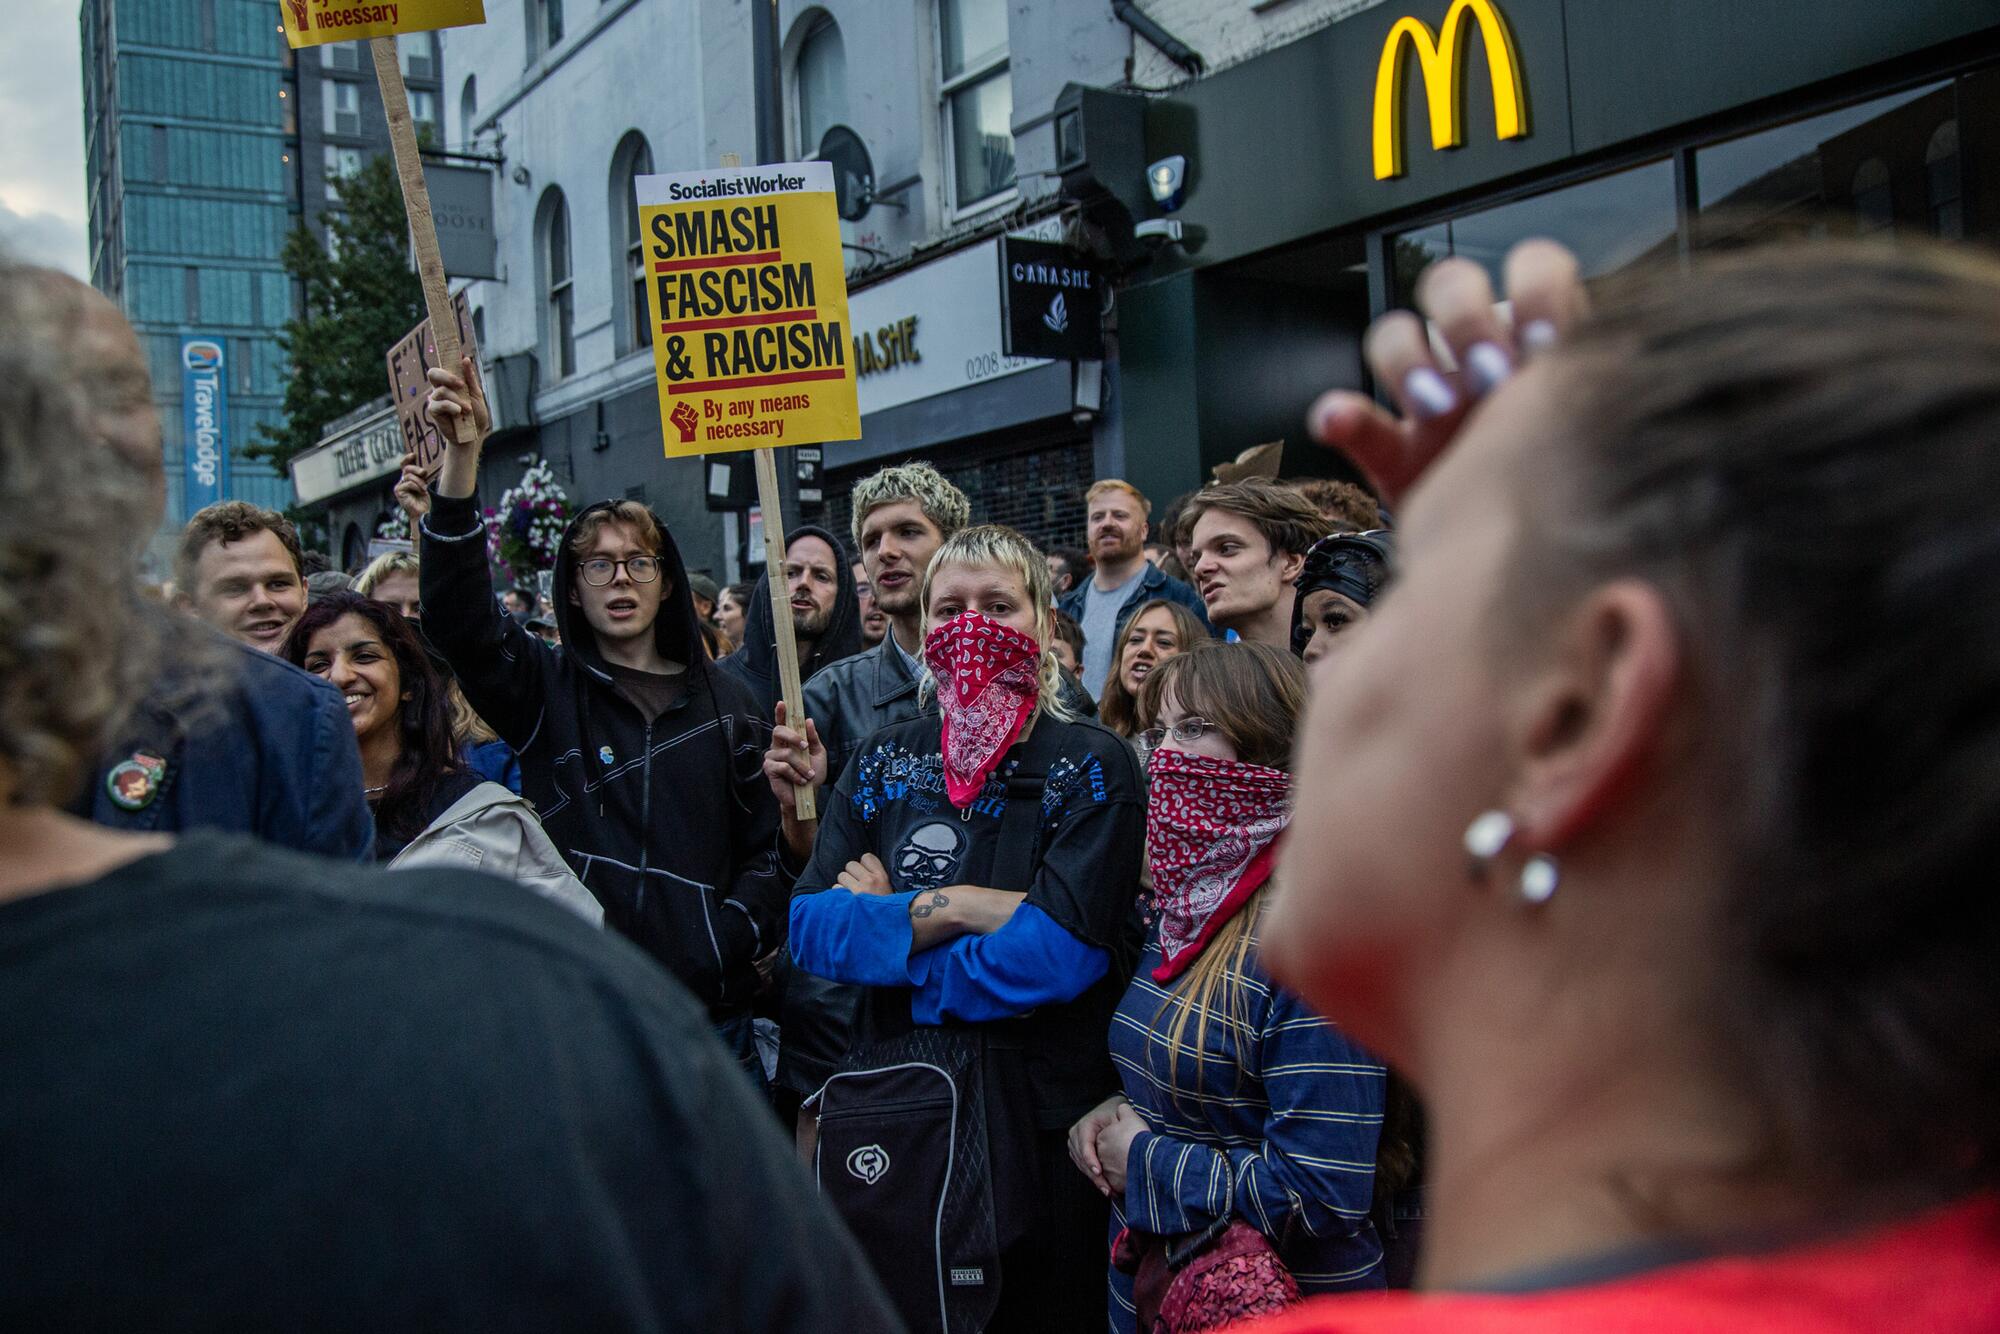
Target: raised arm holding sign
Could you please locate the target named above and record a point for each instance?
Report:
(748, 295)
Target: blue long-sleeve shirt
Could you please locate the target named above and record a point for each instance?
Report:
(1278, 1125)
(864, 939)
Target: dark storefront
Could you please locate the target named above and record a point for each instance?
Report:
(1016, 434)
(1644, 131)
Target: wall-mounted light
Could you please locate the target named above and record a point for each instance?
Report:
(1166, 181)
(521, 176)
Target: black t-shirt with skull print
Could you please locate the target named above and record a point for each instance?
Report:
(891, 801)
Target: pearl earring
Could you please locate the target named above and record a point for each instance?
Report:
(1485, 837)
(1539, 879)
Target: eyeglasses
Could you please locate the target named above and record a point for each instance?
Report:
(597, 572)
(1187, 731)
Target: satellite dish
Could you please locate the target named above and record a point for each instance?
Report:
(853, 171)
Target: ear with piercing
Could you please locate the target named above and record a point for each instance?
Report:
(1488, 835)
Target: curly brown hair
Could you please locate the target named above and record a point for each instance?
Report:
(79, 643)
(231, 521)
(1343, 504)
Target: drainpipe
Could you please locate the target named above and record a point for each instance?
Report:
(1172, 47)
(767, 89)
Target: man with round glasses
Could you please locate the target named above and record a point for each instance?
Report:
(644, 761)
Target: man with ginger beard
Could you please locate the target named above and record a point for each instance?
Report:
(1123, 581)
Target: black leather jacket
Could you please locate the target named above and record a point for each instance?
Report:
(853, 698)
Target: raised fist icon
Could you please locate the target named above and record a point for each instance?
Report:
(685, 418)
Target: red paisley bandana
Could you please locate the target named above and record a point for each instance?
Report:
(989, 677)
(1211, 836)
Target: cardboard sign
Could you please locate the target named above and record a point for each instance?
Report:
(410, 362)
(314, 22)
(748, 298)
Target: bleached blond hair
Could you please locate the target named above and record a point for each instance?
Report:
(996, 546)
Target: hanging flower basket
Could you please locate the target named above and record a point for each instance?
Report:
(525, 532)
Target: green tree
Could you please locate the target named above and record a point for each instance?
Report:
(360, 296)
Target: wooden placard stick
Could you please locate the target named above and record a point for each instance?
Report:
(417, 204)
(781, 613)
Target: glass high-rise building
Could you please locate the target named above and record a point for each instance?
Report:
(198, 169)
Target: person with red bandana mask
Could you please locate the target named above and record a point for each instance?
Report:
(1246, 1133)
(976, 871)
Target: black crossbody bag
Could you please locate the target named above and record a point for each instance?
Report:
(908, 1133)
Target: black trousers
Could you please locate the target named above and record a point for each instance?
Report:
(1052, 1278)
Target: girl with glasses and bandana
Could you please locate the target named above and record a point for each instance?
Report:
(1245, 1135)
(976, 870)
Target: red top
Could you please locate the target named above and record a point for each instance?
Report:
(1939, 1273)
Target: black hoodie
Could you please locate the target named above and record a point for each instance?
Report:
(756, 663)
(671, 823)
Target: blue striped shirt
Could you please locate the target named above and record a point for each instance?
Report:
(1277, 1125)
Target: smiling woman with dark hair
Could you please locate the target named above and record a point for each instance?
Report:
(1649, 826)
(430, 808)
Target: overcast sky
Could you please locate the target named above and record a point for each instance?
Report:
(42, 215)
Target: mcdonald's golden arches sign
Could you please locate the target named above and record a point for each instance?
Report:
(1441, 62)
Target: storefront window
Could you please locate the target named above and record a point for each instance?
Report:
(1608, 222)
(978, 98)
(1947, 188)
(1867, 169)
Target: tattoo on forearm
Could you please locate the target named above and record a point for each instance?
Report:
(923, 908)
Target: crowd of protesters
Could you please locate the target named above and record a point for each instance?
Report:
(1531, 871)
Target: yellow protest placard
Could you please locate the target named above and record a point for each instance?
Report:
(748, 298)
(311, 22)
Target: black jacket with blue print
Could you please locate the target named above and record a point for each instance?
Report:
(891, 801)
(671, 823)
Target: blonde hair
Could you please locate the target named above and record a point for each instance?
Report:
(997, 546)
(1254, 694)
(1218, 974)
(385, 566)
(1119, 484)
(942, 503)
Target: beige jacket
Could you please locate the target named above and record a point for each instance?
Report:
(490, 829)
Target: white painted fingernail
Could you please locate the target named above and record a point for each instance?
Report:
(1428, 393)
(1538, 335)
(1488, 366)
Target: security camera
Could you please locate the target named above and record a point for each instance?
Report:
(1161, 233)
